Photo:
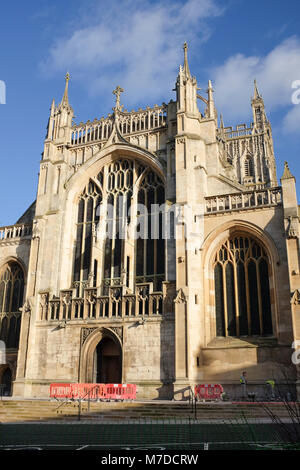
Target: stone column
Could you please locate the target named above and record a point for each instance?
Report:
(181, 347)
(18, 386)
(292, 231)
(28, 309)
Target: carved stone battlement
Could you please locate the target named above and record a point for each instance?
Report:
(243, 201)
(142, 303)
(143, 120)
(15, 231)
(241, 130)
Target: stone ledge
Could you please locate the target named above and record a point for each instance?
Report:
(247, 342)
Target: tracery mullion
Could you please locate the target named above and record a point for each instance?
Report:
(254, 301)
(146, 231)
(156, 225)
(225, 297)
(242, 301)
(219, 298)
(119, 241)
(231, 312)
(104, 220)
(96, 182)
(247, 289)
(113, 241)
(16, 292)
(12, 280)
(8, 291)
(231, 260)
(93, 236)
(133, 220)
(236, 298)
(83, 242)
(2, 306)
(259, 296)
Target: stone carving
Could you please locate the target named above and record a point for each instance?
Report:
(66, 297)
(180, 297)
(85, 333)
(292, 230)
(295, 300)
(91, 295)
(44, 303)
(117, 92)
(118, 331)
(26, 307)
(35, 230)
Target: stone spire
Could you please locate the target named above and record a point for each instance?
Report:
(256, 92)
(64, 115)
(222, 128)
(51, 121)
(186, 68)
(221, 122)
(65, 98)
(286, 173)
(210, 101)
(258, 108)
(52, 108)
(186, 88)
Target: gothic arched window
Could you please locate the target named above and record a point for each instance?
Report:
(242, 290)
(88, 208)
(150, 251)
(114, 199)
(248, 167)
(11, 300)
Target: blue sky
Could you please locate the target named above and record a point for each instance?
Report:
(138, 45)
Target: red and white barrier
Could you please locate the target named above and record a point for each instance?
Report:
(93, 391)
(208, 392)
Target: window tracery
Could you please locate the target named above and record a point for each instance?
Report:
(242, 290)
(113, 200)
(11, 300)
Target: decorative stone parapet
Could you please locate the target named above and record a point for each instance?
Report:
(244, 200)
(129, 123)
(143, 302)
(15, 231)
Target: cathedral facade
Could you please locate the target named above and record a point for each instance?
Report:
(161, 250)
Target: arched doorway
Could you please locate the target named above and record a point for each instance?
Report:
(6, 382)
(108, 362)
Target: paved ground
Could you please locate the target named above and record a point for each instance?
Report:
(144, 436)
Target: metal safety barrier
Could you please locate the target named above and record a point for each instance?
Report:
(93, 391)
(208, 392)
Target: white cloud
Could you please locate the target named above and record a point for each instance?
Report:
(274, 72)
(291, 121)
(132, 43)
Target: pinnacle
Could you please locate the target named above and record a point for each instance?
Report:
(286, 173)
